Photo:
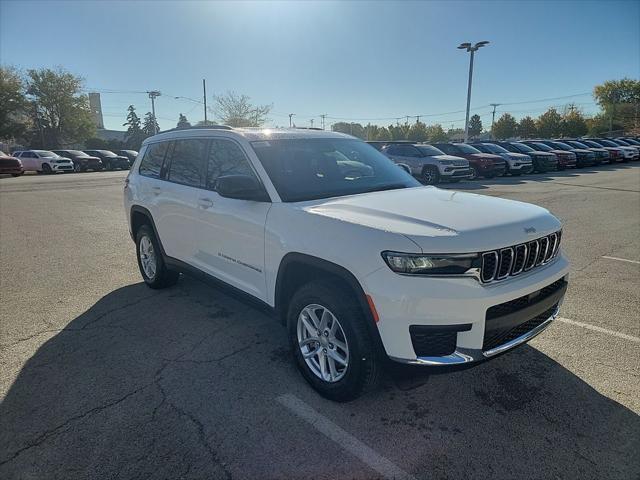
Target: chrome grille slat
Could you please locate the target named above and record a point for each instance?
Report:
(510, 261)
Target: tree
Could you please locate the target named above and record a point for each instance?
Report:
(598, 125)
(150, 125)
(620, 100)
(475, 126)
(573, 123)
(436, 133)
(455, 134)
(418, 132)
(383, 134)
(350, 128)
(527, 127)
(58, 108)
(207, 123)
(13, 111)
(135, 135)
(549, 124)
(238, 111)
(505, 127)
(399, 132)
(183, 122)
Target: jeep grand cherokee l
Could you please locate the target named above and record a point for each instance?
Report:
(517, 163)
(361, 265)
(483, 164)
(566, 159)
(543, 161)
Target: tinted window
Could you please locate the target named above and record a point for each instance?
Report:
(482, 148)
(468, 149)
(225, 158)
(522, 147)
(188, 162)
(447, 148)
(152, 162)
(429, 151)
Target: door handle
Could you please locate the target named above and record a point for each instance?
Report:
(205, 202)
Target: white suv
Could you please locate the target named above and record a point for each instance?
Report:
(360, 261)
(44, 161)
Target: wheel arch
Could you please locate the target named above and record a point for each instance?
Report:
(139, 216)
(296, 268)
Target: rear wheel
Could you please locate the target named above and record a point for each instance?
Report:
(16, 174)
(475, 173)
(152, 267)
(430, 175)
(331, 344)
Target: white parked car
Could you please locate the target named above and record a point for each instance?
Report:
(44, 161)
(517, 163)
(361, 264)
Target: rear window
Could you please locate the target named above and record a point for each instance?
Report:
(151, 164)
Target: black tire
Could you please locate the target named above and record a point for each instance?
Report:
(430, 175)
(475, 174)
(16, 174)
(107, 165)
(163, 277)
(46, 168)
(363, 369)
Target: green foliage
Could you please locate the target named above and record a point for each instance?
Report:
(549, 124)
(202, 123)
(350, 128)
(61, 113)
(620, 101)
(435, 133)
(399, 132)
(505, 127)
(135, 135)
(475, 126)
(238, 111)
(573, 123)
(13, 111)
(527, 127)
(183, 122)
(97, 143)
(150, 125)
(418, 132)
(383, 133)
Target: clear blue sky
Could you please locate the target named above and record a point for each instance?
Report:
(356, 60)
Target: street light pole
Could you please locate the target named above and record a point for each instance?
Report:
(152, 95)
(471, 49)
(493, 115)
(290, 121)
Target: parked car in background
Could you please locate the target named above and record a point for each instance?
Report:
(631, 141)
(623, 143)
(602, 155)
(43, 161)
(628, 153)
(429, 164)
(10, 165)
(543, 161)
(615, 153)
(378, 144)
(110, 161)
(81, 161)
(485, 165)
(565, 159)
(130, 154)
(517, 163)
(584, 158)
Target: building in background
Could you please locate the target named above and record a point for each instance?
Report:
(96, 109)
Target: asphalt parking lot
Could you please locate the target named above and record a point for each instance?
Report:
(102, 377)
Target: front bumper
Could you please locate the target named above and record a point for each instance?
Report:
(455, 303)
(522, 168)
(456, 172)
(62, 167)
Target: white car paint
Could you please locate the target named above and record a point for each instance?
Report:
(244, 242)
(34, 160)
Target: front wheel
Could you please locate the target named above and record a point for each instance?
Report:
(332, 347)
(152, 267)
(430, 176)
(46, 168)
(16, 174)
(475, 173)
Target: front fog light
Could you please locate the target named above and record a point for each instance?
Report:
(425, 264)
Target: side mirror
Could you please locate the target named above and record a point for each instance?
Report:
(241, 187)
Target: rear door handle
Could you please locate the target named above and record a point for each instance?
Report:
(205, 202)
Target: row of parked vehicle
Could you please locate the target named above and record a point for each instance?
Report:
(67, 161)
(452, 162)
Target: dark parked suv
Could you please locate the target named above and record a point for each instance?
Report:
(130, 154)
(584, 158)
(81, 161)
(110, 160)
(543, 161)
(602, 155)
(485, 165)
(565, 159)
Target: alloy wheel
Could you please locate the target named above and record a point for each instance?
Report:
(148, 257)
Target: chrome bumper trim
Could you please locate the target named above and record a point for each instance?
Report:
(468, 355)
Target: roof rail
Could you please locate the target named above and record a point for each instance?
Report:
(307, 128)
(199, 127)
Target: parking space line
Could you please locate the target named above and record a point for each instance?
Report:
(621, 259)
(599, 329)
(344, 439)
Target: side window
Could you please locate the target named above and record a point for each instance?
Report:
(392, 150)
(409, 151)
(152, 162)
(188, 162)
(446, 148)
(226, 158)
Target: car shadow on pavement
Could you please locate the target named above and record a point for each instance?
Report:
(181, 383)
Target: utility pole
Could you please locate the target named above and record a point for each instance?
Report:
(290, 119)
(493, 114)
(322, 118)
(204, 97)
(472, 49)
(406, 122)
(418, 118)
(152, 95)
(311, 123)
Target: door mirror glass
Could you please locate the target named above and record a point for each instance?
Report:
(241, 187)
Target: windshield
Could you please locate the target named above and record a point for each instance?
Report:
(608, 143)
(522, 147)
(631, 141)
(563, 146)
(467, 148)
(542, 146)
(591, 143)
(493, 148)
(429, 151)
(579, 145)
(77, 153)
(46, 153)
(107, 153)
(307, 169)
(621, 142)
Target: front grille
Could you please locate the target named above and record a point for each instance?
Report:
(493, 339)
(506, 262)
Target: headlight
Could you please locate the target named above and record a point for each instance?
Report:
(426, 264)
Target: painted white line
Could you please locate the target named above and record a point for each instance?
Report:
(599, 329)
(621, 259)
(344, 439)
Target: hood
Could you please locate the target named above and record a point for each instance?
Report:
(441, 221)
(563, 152)
(543, 154)
(487, 156)
(519, 156)
(450, 157)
